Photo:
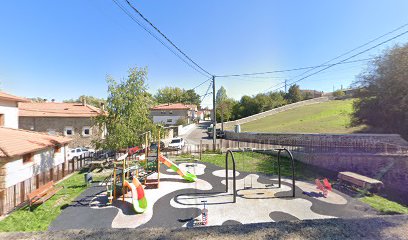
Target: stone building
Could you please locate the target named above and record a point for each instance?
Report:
(73, 120)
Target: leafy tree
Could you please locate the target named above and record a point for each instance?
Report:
(277, 99)
(177, 95)
(128, 112)
(191, 97)
(38, 99)
(294, 94)
(383, 93)
(91, 100)
(221, 95)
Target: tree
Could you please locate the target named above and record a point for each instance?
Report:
(221, 95)
(191, 97)
(91, 100)
(224, 105)
(383, 93)
(294, 94)
(38, 99)
(128, 112)
(177, 95)
(169, 95)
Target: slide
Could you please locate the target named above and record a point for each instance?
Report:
(184, 174)
(139, 200)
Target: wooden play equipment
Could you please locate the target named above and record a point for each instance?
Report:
(128, 175)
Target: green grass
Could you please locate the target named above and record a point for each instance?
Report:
(267, 164)
(384, 205)
(40, 218)
(328, 117)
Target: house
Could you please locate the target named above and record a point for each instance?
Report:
(9, 110)
(27, 159)
(73, 120)
(171, 113)
(193, 111)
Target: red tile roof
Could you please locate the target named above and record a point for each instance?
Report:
(9, 97)
(17, 142)
(53, 109)
(171, 106)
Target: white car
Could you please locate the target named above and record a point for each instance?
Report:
(75, 153)
(177, 143)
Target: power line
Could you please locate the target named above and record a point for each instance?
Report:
(200, 84)
(168, 40)
(206, 93)
(157, 38)
(342, 61)
(289, 70)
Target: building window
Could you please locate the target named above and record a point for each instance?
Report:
(68, 131)
(169, 120)
(163, 112)
(86, 131)
(170, 112)
(1, 120)
(28, 158)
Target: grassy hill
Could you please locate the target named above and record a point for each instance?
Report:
(327, 117)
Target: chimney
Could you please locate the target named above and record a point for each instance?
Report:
(84, 101)
(103, 106)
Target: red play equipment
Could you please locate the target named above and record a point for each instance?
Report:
(324, 187)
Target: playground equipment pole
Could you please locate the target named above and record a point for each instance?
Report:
(114, 181)
(123, 180)
(234, 186)
(158, 162)
(146, 151)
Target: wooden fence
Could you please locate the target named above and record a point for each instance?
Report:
(16, 196)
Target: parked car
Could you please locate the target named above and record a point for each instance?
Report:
(75, 153)
(219, 133)
(104, 154)
(153, 146)
(177, 143)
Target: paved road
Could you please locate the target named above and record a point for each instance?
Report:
(198, 133)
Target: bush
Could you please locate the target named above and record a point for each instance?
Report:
(339, 93)
(181, 121)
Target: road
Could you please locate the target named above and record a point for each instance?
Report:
(198, 133)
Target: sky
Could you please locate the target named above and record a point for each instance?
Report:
(64, 49)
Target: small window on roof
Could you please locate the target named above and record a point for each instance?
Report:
(68, 131)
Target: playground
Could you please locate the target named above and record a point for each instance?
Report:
(158, 191)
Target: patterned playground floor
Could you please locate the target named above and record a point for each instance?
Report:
(177, 203)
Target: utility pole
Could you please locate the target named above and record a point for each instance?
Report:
(214, 116)
(285, 85)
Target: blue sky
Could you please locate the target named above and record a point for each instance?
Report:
(63, 49)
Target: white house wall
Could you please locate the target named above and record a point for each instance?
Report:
(10, 111)
(16, 171)
(163, 119)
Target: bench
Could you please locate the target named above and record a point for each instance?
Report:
(42, 194)
(358, 180)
